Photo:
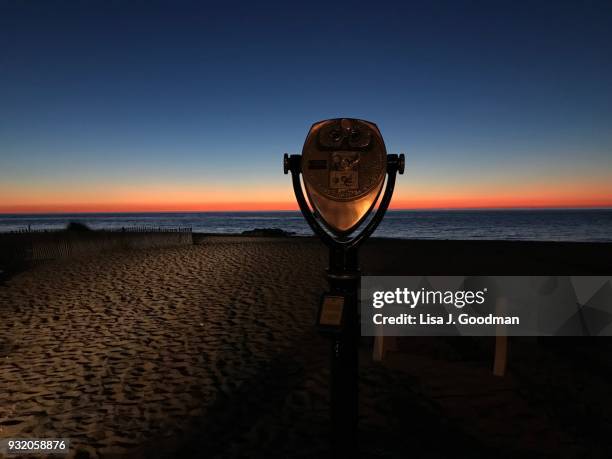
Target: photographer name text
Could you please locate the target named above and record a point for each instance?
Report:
(422, 297)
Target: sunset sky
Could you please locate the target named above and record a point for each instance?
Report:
(190, 106)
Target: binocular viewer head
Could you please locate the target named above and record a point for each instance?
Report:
(343, 164)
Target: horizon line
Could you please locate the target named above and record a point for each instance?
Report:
(394, 209)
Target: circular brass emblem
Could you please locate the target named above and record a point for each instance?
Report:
(344, 159)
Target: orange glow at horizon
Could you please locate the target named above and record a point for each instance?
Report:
(411, 194)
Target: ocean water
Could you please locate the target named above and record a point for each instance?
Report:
(541, 225)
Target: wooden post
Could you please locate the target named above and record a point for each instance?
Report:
(500, 363)
(382, 345)
(378, 353)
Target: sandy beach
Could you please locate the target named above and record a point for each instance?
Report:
(209, 350)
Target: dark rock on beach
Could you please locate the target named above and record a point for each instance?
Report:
(268, 232)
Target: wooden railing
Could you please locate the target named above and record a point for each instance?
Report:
(29, 245)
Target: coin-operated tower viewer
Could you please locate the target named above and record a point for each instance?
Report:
(343, 166)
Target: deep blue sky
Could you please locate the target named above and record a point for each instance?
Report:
(116, 100)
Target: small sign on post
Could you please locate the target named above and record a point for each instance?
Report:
(331, 314)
